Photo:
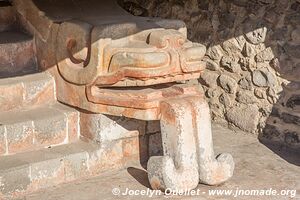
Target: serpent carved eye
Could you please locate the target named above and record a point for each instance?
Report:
(71, 44)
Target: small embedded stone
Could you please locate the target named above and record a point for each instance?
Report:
(209, 78)
(230, 64)
(259, 93)
(211, 93)
(257, 36)
(225, 100)
(245, 83)
(265, 56)
(232, 46)
(247, 64)
(211, 65)
(263, 78)
(245, 117)
(228, 84)
(246, 97)
(250, 50)
(215, 52)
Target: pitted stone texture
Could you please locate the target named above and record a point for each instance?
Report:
(264, 78)
(188, 150)
(265, 56)
(246, 97)
(16, 54)
(257, 167)
(209, 78)
(104, 128)
(31, 171)
(7, 17)
(257, 35)
(2, 139)
(245, 117)
(26, 91)
(228, 84)
(38, 128)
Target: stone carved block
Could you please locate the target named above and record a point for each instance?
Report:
(111, 62)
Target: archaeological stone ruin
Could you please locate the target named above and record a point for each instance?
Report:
(90, 87)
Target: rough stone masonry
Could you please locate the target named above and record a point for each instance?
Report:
(253, 60)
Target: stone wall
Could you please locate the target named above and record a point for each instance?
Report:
(253, 60)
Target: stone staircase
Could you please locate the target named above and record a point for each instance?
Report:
(40, 144)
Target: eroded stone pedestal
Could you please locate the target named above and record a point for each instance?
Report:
(188, 150)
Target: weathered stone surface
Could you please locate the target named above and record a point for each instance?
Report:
(250, 50)
(155, 145)
(212, 65)
(2, 139)
(39, 127)
(292, 118)
(293, 101)
(50, 128)
(257, 36)
(245, 117)
(256, 162)
(215, 52)
(230, 64)
(296, 36)
(153, 127)
(228, 84)
(232, 46)
(102, 128)
(211, 93)
(20, 137)
(246, 83)
(7, 18)
(176, 123)
(272, 95)
(292, 50)
(247, 64)
(26, 91)
(246, 97)
(265, 56)
(269, 41)
(259, 93)
(225, 100)
(263, 78)
(14, 179)
(209, 78)
(292, 137)
(16, 54)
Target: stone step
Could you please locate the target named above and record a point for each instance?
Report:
(7, 16)
(278, 131)
(17, 55)
(26, 91)
(41, 127)
(30, 171)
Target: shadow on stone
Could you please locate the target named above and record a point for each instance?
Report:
(140, 175)
(288, 154)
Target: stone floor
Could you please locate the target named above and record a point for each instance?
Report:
(257, 168)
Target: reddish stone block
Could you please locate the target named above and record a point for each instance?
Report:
(11, 96)
(73, 126)
(46, 174)
(50, 129)
(109, 157)
(2, 140)
(131, 147)
(38, 90)
(20, 137)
